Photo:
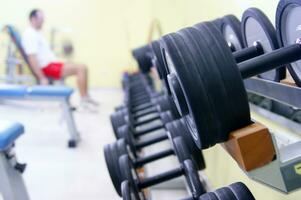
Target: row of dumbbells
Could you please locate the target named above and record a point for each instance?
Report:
(202, 68)
(146, 111)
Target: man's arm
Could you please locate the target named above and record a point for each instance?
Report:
(32, 59)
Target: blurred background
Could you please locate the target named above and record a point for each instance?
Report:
(103, 31)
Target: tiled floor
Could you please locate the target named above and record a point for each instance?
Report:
(55, 172)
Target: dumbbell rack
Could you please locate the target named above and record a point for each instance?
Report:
(256, 149)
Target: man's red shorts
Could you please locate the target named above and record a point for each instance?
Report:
(53, 70)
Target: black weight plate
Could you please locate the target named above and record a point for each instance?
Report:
(218, 23)
(126, 190)
(208, 196)
(173, 108)
(232, 113)
(178, 128)
(238, 106)
(241, 191)
(231, 31)
(256, 27)
(193, 180)
(160, 65)
(111, 165)
(125, 133)
(233, 108)
(143, 56)
(128, 173)
(198, 117)
(121, 146)
(288, 30)
(225, 193)
(180, 149)
(192, 40)
(117, 120)
(195, 153)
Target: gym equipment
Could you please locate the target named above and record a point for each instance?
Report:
(223, 81)
(204, 88)
(143, 56)
(235, 191)
(287, 27)
(187, 168)
(176, 131)
(131, 136)
(142, 115)
(16, 39)
(45, 93)
(12, 186)
(229, 26)
(256, 27)
(14, 67)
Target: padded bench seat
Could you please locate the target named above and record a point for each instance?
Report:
(19, 91)
(9, 132)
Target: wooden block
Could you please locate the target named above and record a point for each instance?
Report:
(251, 147)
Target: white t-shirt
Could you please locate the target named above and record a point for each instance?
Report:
(35, 43)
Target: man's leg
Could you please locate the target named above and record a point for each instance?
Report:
(81, 73)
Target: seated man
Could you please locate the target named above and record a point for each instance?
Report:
(45, 64)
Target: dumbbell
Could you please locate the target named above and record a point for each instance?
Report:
(288, 31)
(186, 168)
(184, 149)
(133, 137)
(229, 26)
(203, 68)
(143, 56)
(155, 113)
(235, 191)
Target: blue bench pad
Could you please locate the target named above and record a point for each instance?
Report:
(34, 91)
(9, 132)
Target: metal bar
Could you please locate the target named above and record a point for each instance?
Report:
(160, 178)
(156, 156)
(286, 94)
(151, 141)
(269, 61)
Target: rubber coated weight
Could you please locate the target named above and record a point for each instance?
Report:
(130, 175)
(241, 191)
(178, 128)
(111, 165)
(193, 179)
(231, 31)
(208, 196)
(256, 27)
(126, 190)
(155, 45)
(143, 55)
(197, 76)
(181, 150)
(288, 31)
(225, 194)
(183, 147)
(222, 92)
